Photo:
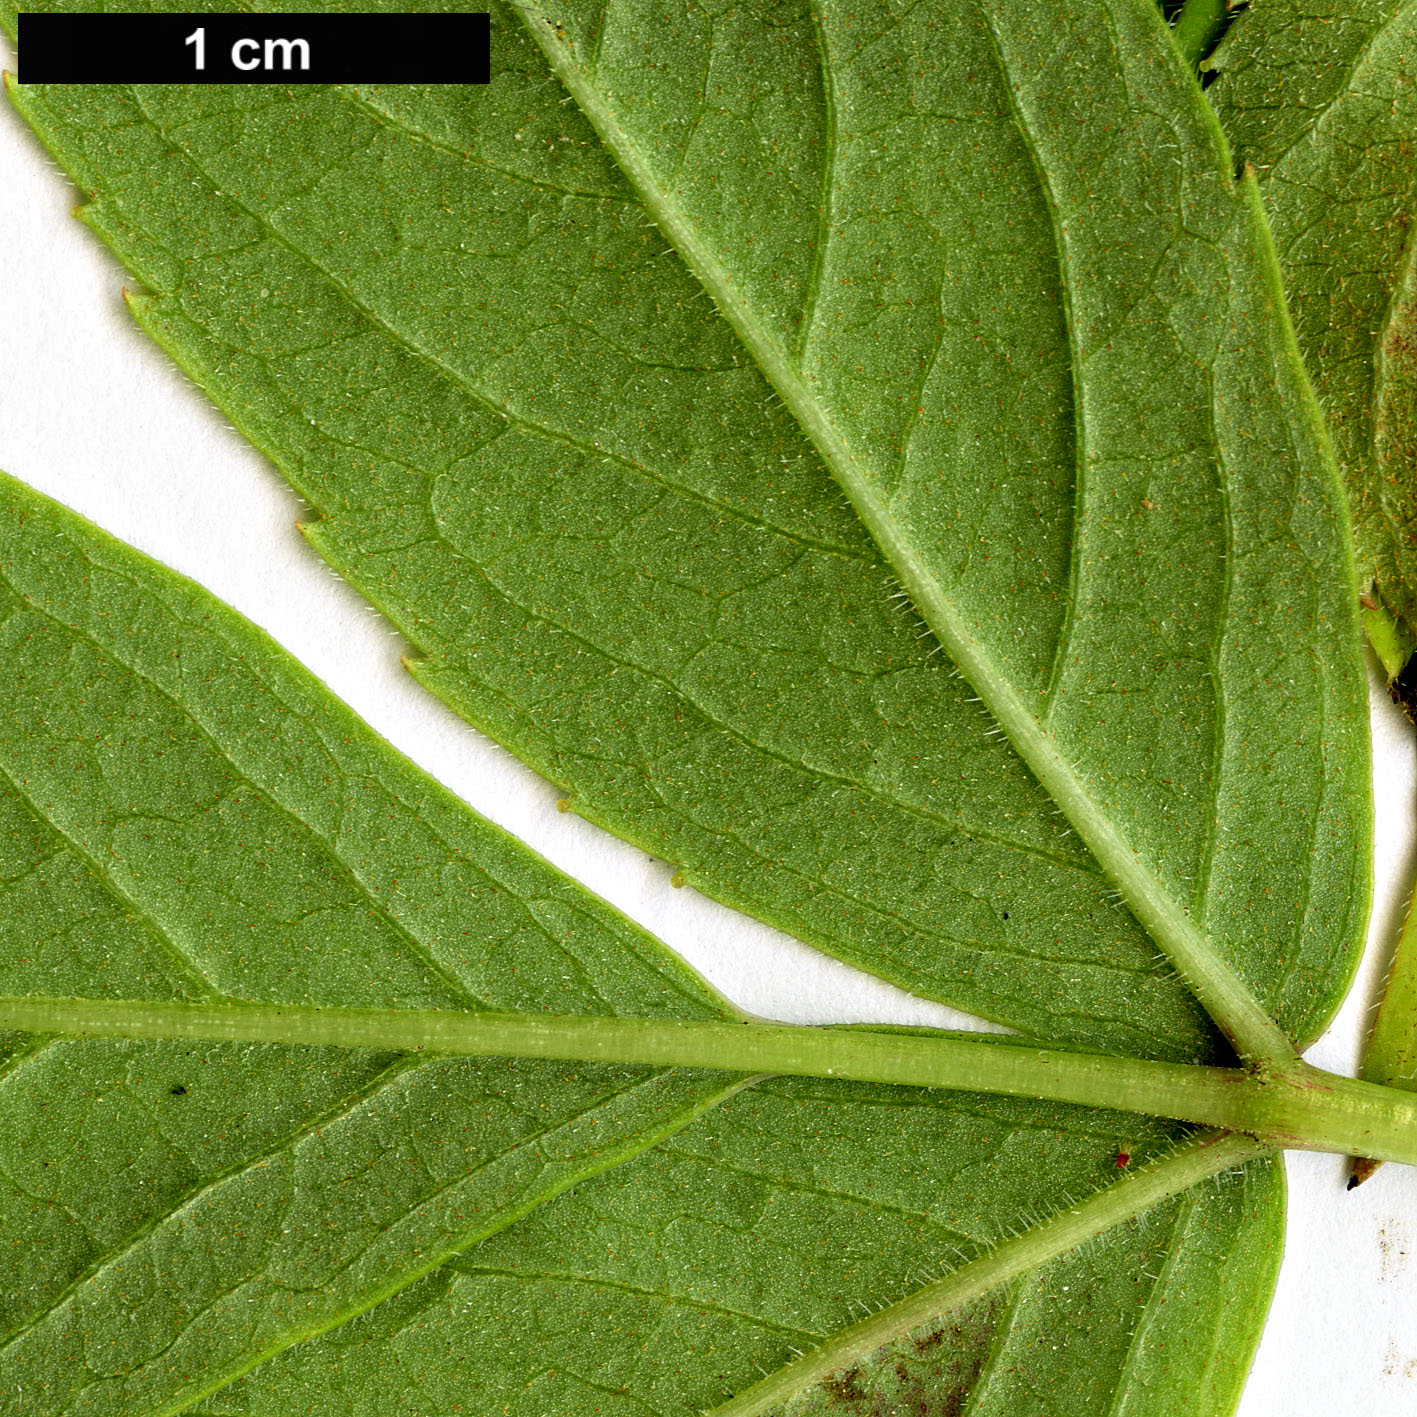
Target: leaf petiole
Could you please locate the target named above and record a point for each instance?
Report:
(1294, 1105)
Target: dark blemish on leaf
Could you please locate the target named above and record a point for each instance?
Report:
(953, 1402)
(978, 1341)
(945, 1386)
(177, 1090)
(931, 1373)
(845, 1387)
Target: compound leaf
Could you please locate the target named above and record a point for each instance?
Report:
(189, 816)
(616, 552)
(575, 390)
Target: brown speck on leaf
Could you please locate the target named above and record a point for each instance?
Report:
(953, 1402)
(845, 1387)
(932, 1373)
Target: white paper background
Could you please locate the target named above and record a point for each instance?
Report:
(92, 414)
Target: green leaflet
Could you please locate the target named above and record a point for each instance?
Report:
(872, 336)
(1340, 187)
(189, 1210)
(802, 814)
(1335, 158)
(188, 815)
(617, 554)
(1010, 296)
(748, 1263)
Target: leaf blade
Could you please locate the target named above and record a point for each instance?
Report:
(196, 1300)
(137, 715)
(355, 550)
(1333, 154)
(906, 521)
(1341, 227)
(738, 1300)
(692, 737)
(683, 731)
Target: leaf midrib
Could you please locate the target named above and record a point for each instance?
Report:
(1071, 1225)
(1217, 986)
(960, 827)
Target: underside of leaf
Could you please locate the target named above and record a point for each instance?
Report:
(861, 458)
(193, 1211)
(1335, 153)
(589, 511)
(1335, 157)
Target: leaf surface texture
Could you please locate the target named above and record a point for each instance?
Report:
(1320, 99)
(696, 433)
(536, 446)
(182, 1214)
(190, 816)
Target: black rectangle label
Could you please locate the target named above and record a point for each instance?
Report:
(325, 48)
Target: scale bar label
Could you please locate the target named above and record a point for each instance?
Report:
(325, 48)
